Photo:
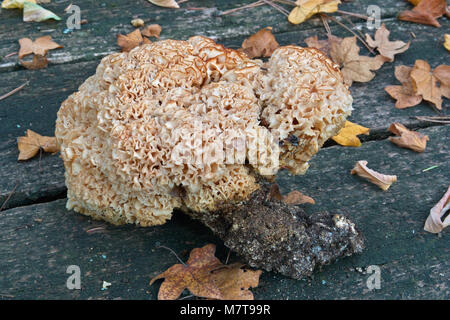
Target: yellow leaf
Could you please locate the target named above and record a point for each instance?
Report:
(15, 4)
(165, 3)
(414, 2)
(447, 41)
(305, 9)
(34, 12)
(348, 135)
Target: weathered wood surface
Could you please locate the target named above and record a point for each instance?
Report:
(34, 254)
(414, 264)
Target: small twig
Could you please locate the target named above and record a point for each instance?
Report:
(350, 30)
(13, 91)
(353, 25)
(10, 54)
(291, 3)
(325, 24)
(164, 247)
(357, 15)
(247, 6)
(95, 229)
(437, 119)
(187, 297)
(228, 256)
(277, 7)
(9, 196)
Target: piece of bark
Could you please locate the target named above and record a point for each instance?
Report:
(272, 235)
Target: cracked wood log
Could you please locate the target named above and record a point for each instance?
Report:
(272, 235)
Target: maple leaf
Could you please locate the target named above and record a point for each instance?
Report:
(434, 223)
(382, 180)
(425, 83)
(39, 46)
(305, 9)
(165, 3)
(234, 282)
(205, 276)
(353, 66)
(408, 139)
(152, 30)
(425, 12)
(260, 44)
(404, 94)
(32, 142)
(386, 48)
(131, 40)
(347, 136)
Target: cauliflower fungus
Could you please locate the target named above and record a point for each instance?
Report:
(192, 125)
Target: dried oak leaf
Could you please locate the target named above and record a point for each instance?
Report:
(39, 46)
(165, 3)
(353, 66)
(442, 73)
(347, 136)
(30, 145)
(408, 139)
(305, 9)
(152, 30)
(425, 12)
(434, 223)
(131, 40)
(233, 281)
(382, 180)
(386, 48)
(260, 44)
(425, 83)
(404, 94)
(205, 276)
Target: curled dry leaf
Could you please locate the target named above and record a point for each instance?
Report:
(434, 223)
(293, 198)
(131, 40)
(404, 94)
(386, 48)
(408, 139)
(447, 42)
(260, 44)
(425, 12)
(425, 83)
(152, 30)
(305, 9)
(137, 23)
(205, 276)
(381, 180)
(165, 3)
(348, 135)
(32, 142)
(40, 46)
(353, 66)
(33, 12)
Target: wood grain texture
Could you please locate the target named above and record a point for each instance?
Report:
(414, 264)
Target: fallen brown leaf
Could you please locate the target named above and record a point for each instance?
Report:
(404, 94)
(205, 276)
(425, 12)
(434, 223)
(322, 45)
(408, 139)
(353, 66)
(347, 136)
(30, 145)
(425, 83)
(38, 62)
(386, 48)
(152, 30)
(260, 44)
(381, 180)
(131, 40)
(442, 74)
(39, 46)
(293, 198)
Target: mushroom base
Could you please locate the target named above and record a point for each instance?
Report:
(272, 235)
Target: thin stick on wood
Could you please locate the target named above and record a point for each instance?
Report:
(179, 259)
(291, 3)
(10, 54)
(353, 25)
(350, 30)
(437, 119)
(13, 91)
(357, 15)
(9, 196)
(277, 7)
(325, 24)
(247, 6)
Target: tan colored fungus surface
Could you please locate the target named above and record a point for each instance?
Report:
(146, 133)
